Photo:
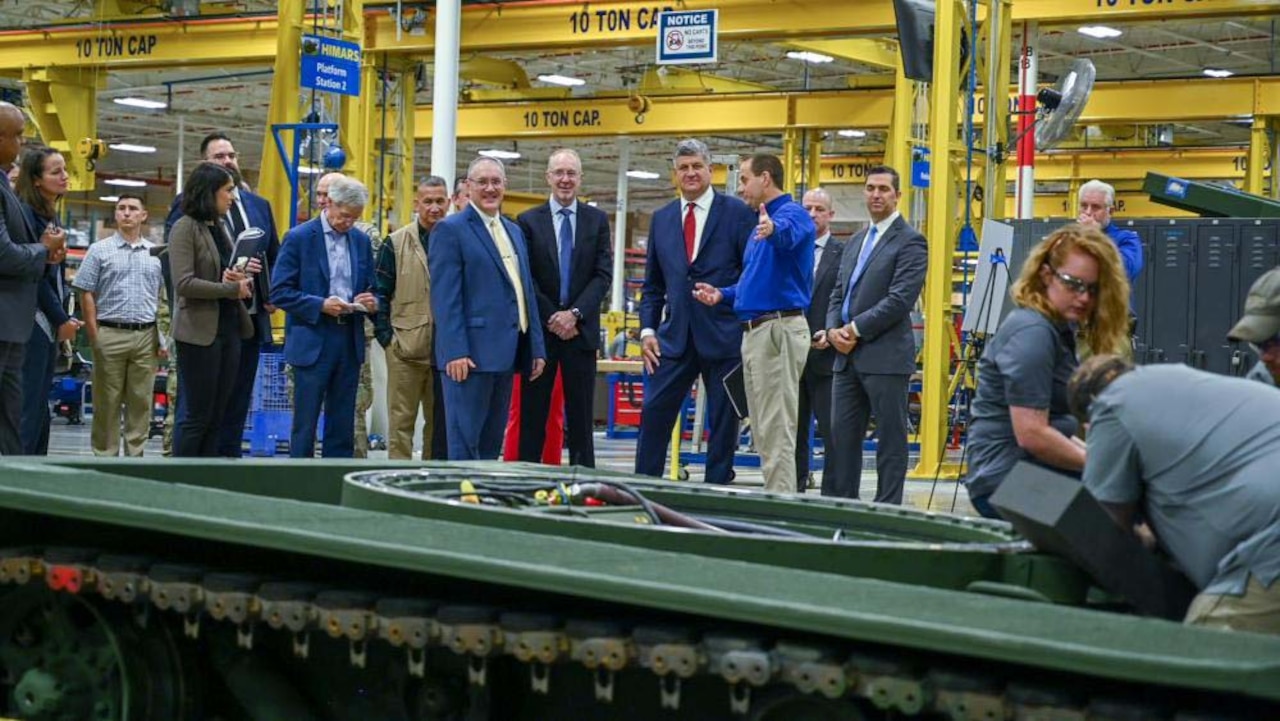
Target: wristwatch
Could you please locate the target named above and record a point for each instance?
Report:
(576, 313)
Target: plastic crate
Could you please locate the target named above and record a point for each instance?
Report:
(270, 420)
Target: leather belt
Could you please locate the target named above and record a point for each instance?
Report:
(760, 320)
(126, 326)
(337, 319)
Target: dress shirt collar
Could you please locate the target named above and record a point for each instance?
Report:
(123, 242)
(883, 226)
(703, 202)
(821, 240)
(329, 232)
(488, 219)
(556, 207)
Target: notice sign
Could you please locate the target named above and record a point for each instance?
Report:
(687, 37)
(330, 65)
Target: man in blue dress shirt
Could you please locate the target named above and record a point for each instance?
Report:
(770, 300)
(1097, 200)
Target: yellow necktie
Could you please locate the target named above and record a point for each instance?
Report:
(512, 264)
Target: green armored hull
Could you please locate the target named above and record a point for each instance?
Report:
(284, 590)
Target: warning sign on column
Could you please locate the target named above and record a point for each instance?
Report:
(687, 36)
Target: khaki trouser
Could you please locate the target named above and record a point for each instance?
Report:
(1258, 610)
(773, 358)
(124, 373)
(409, 388)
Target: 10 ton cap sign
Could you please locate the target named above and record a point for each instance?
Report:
(686, 37)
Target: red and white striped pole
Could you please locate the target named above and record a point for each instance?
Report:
(1028, 75)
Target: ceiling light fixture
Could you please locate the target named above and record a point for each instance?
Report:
(497, 154)
(1218, 73)
(809, 57)
(109, 198)
(131, 148)
(852, 133)
(126, 182)
(1101, 32)
(564, 80)
(643, 175)
(141, 103)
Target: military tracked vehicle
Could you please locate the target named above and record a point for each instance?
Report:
(260, 590)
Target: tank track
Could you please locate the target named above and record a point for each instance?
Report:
(763, 674)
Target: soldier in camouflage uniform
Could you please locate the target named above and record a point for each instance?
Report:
(364, 394)
(165, 321)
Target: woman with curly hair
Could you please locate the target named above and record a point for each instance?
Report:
(1072, 286)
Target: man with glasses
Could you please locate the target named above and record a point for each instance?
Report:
(247, 211)
(571, 261)
(1260, 327)
(324, 282)
(482, 296)
(1097, 200)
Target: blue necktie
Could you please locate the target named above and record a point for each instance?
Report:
(867, 246)
(566, 253)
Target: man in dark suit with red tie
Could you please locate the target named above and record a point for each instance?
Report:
(869, 324)
(572, 266)
(698, 238)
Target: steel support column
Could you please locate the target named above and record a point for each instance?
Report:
(64, 105)
(940, 229)
(617, 299)
(996, 119)
(900, 140)
(273, 182)
(1257, 163)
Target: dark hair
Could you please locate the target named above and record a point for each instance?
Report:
(31, 167)
(433, 181)
(1091, 379)
(762, 163)
(216, 135)
(458, 184)
(131, 196)
(886, 170)
(199, 195)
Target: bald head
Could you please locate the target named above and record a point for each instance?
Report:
(821, 209)
(322, 188)
(12, 123)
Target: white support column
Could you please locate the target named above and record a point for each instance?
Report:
(180, 177)
(444, 98)
(617, 300)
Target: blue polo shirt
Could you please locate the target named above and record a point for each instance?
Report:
(1130, 247)
(777, 272)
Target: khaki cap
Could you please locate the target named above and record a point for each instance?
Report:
(1261, 320)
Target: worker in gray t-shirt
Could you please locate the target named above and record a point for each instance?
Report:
(1198, 454)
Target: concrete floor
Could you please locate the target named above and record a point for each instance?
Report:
(613, 454)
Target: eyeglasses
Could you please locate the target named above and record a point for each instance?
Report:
(486, 182)
(563, 173)
(1074, 284)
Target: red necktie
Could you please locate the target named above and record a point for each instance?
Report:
(690, 232)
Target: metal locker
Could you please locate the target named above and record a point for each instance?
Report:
(1258, 254)
(1170, 269)
(1213, 287)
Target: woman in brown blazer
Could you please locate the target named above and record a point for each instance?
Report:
(209, 318)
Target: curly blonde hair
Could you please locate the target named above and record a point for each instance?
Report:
(1107, 328)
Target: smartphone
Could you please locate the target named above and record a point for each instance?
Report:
(241, 263)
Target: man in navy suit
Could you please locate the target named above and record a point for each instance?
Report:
(324, 282)
(815, 383)
(23, 256)
(486, 313)
(869, 324)
(571, 262)
(247, 211)
(698, 238)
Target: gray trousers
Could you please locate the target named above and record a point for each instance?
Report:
(854, 398)
(11, 356)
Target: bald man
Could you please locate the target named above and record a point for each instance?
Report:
(23, 255)
(815, 382)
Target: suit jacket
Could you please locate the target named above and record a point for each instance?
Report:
(714, 331)
(882, 300)
(474, 301)
(590, 272)
(54, 290)
(197, 281)
(300, 284)
(824, 280)
(22, 261)
(258, 211)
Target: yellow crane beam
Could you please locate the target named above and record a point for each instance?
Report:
(64, 106)
(1147, 101)
(536, 27)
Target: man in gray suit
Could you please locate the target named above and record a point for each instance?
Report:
(815, 383)
(23, 255)
(869, 325)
